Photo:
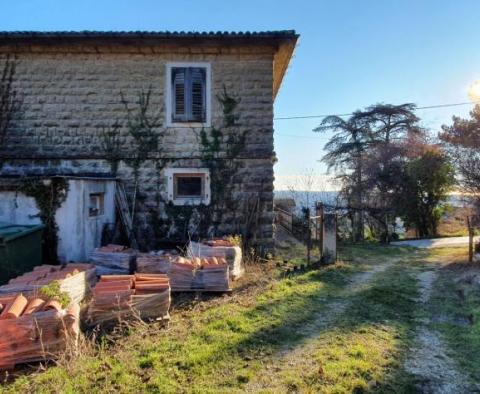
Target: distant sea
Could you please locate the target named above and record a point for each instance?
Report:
(302, 197)
(330, 197)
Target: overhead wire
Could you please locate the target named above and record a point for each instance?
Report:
(350, 114)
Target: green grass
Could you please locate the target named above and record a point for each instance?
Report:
(365, 347)
(202, 350)
(227, 344)
(456, 314)
(374, 253)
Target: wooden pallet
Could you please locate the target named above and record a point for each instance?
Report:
(199, 290)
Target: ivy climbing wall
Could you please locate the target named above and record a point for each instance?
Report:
(80, 105)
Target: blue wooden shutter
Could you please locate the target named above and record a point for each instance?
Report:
(178, 97)
(189, 94)
(197, 91)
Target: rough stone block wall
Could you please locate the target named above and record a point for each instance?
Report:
(72, 94)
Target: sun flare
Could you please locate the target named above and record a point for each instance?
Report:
(474, 91)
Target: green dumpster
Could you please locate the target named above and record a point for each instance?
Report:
(20, 249)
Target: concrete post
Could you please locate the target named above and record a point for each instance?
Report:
(319, 225)
(329, 238)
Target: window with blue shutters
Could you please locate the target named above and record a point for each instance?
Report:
(188, 94)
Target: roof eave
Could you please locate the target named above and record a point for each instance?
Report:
(281, 61)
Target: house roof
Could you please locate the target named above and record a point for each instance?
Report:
(143, 33)
(283, 40)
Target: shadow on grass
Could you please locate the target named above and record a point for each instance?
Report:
(276, 323)
(389, 301)
(372, 252)
(229, 336)
(455, 310)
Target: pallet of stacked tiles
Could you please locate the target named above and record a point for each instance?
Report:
(113, 260)
(213, 274)
(121, 297)
(155, 263)
(182, 274)
(75, 279)
(221, 249)
(34, 329)
(200, 274)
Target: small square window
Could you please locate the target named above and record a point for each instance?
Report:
(96, 205)
(188, 186)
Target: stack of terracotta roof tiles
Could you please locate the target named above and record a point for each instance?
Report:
(199, 274)
(155, 263)
(33, 329)
(118, 297)
(75, 279)
(113, 259)
(220, 248)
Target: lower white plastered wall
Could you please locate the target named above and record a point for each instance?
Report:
(17, 208)
(78, 233)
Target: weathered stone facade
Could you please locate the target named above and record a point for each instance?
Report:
(72, 89)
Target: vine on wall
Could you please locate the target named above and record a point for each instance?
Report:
(111, 145)
(219, 149)
(142, 125)
(229, 104)
(10, 102)
(49, 194)
(223, 166)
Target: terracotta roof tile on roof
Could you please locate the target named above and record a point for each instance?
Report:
(153, 34)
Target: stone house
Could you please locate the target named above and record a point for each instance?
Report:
(183, 122)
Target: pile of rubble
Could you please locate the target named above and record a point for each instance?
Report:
(118, 297)
(35, 329)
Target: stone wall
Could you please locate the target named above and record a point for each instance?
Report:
(71, 95)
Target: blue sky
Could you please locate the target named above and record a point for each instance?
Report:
(351, 53)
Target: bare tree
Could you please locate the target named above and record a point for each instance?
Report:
(308, 189)
(462, 142)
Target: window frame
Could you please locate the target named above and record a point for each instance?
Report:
(204, 173)
(178, 175)
(99, 202)
(169, 94)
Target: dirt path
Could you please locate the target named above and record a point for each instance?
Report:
(299, 356)
(435, 371)
(447, 242)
